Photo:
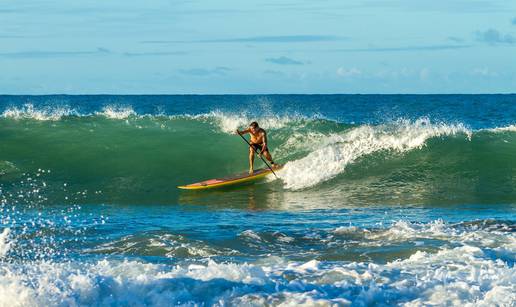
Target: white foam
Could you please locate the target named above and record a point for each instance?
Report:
(339, 150)
(348, 230)
(453, 276)
(117, 112)
(510, 128)
(251, 234)
(498, 240)
(5, 244)
(467, 275)
(402, 231)
(28, 111)
(459, 276)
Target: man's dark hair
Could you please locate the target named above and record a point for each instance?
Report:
(254, 125)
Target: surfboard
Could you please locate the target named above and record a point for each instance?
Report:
(230, 180)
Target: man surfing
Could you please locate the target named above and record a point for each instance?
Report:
(258, 143)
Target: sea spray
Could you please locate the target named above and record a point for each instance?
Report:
(29, 111)
(5, 243)
(117, 112)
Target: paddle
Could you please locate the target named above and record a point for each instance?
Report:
(243, 138)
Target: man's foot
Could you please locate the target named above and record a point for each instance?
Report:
(251, 171)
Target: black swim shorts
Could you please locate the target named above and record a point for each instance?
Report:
(258, 147)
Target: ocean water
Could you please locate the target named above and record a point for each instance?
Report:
(384, 200)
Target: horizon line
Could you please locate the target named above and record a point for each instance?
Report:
(257, 94)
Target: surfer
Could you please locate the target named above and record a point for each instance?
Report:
(258, 143)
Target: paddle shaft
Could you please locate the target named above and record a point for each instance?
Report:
(243, 138)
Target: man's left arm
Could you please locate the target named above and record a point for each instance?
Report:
(264, 146)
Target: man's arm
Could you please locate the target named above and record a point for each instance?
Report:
(243, 131)
(264, 146)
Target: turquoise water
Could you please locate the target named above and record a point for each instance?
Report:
(384, 199)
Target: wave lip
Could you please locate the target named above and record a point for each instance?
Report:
(55, 113)
(226, 122)
(28, 111)
(229, 122)
(509, 128)
(116, 112)
(340, 150)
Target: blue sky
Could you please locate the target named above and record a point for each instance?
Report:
(204, 47)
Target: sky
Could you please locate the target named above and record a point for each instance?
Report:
(257, 47)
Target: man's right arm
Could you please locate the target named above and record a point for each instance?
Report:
(243, 131)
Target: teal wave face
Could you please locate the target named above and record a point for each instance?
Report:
(125, 158)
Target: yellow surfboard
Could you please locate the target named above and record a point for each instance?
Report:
(227, 181)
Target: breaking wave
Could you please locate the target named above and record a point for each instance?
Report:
(476, 268)
(114, 144)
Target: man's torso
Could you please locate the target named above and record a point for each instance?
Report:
(257, 138)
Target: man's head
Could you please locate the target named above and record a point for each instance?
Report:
(254, 127)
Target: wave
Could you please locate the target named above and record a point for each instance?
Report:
(55, 113)
(490, 234)
(481, 255)
(161, 245)
(423, 279)
(226, 122)
(126, 156)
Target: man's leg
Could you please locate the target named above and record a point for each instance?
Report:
(251, 160)
(268, 156)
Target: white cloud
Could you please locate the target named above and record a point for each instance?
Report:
(347, 73)
(424, 73)
(484, 72)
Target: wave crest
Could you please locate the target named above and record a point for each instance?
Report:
(28, 111)
(229, 122)
(117, 112)
(339, 150)
(510, 128)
